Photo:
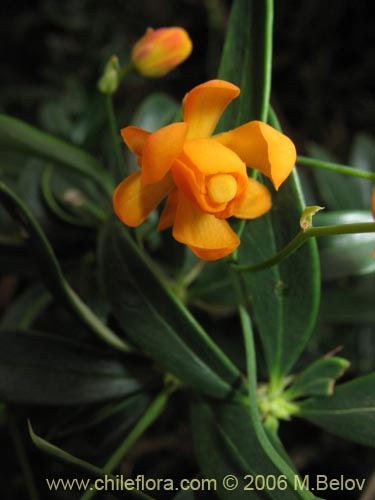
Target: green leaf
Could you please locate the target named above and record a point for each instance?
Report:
(246, 60)
(16, 135)
(226, 444)
(156, 321)
(349, 302)
(78, 464)
(348, 254)
(349, 413)
(37, 368)
(291, 290)
(319, 378)
(154, 112)
(284, 298)
(51, 271)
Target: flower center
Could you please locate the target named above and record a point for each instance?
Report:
(222, 188)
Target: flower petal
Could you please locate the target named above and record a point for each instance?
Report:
(160, 150)
(208, 237)
(204, 105)
(255, 201)
(135, 139)
(210, 157)
(263, 148)
(169, 211)
(133, 202)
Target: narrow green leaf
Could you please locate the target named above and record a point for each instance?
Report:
(349, 413)
(38, 368)
(157, 322)
(319, 378)
(226, 444)
(16, 135)
(78, 464)
(247, 59)
(51, 271)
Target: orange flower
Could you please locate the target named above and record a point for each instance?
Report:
(204, 177)
(159, 51)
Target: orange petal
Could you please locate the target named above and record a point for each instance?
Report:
(204, 105)
(135, 139)
(255, 201)
(169, 211)
(210, 157)
(160, 150)
(208, 237)
(263, 148)
(133, 202)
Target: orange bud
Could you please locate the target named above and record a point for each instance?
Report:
(159, 51)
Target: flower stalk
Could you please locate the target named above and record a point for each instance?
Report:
(301, 237)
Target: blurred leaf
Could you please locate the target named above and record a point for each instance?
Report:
(154, 112)
(16, 135)
(212, 290)
(362, 155)
(319, 378)
(26, 308)
(226, 444)
(351, 302)
(72, 199)
(52, 273)
(37, 368)
(114, 417)
(347, 254)
(337, 191)
(155, 320)
(349, 413)
(246, 61)
(185, 495)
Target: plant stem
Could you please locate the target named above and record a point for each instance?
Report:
(267, 67)
(335, 167)
(302, 236)
(119, 170)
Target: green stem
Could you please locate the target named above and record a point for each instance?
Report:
(302, 236)
(150, 415)
(267, 66)
(119, 171)
(22, 457)
(335, 167)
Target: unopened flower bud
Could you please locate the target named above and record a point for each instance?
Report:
(159, 51)
(109, 82)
